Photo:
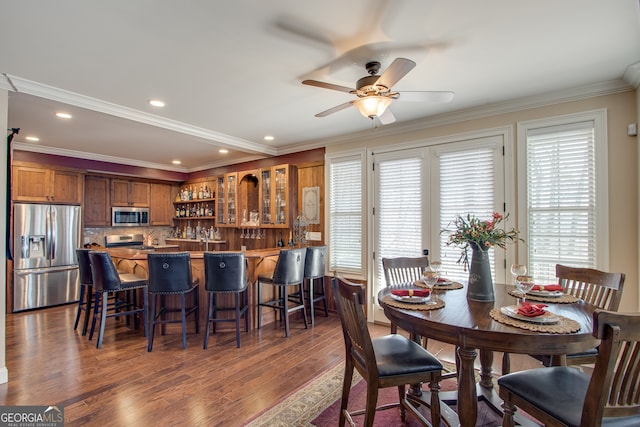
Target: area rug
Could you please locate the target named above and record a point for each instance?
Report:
(318, 404)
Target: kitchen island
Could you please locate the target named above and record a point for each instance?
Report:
(259, 261)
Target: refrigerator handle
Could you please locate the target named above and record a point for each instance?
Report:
(52, 233)
(24, 250)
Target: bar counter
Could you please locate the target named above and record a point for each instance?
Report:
(259, 261)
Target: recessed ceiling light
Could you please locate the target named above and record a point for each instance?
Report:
(63, 115)
(32, 138)
(176, 162)
(223, 151)
(268, 138)
(156, 103)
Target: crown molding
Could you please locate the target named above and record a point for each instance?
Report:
(510, 106)
(60, 95)
(632, 75)
(23, 146)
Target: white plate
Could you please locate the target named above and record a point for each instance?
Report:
(546, 318)
(445, 283)
(412, 299)
(550, 294)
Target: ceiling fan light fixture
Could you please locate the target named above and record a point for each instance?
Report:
(372, 106)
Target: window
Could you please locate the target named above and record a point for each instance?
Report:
(399, 206)
(469, 181)
(565, 207)
(345, 213)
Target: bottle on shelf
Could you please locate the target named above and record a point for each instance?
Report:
(280, 241)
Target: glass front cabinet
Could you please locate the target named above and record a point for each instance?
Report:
(278, 196)
(260, 198)
(226, 200)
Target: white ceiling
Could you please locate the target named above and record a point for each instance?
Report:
(230, 71)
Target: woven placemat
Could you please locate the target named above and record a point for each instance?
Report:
(564, 326)
(453, 285)
(564, 299)
(412, 306)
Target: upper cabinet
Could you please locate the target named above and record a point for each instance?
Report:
(160, 207)
(97, 205)
(226, 200)
(130, 193)
(278, 196)
(41, 184)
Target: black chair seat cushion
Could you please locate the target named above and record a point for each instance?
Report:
(560, 391)
(397, 355)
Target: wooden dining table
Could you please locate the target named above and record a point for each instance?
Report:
(467, 324)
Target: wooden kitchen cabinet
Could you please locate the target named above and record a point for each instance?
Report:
(52, 185)
(97, 204)
(161, 209)
(278, 196)
(130, 193)
(226, 200)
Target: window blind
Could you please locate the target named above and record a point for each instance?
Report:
(561, 197)
(345, 214)
(398, 210)
(467, 186)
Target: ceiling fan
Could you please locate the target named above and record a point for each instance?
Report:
(374, 91)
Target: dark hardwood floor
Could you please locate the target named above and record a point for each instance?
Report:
(122, 384)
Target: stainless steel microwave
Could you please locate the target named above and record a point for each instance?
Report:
(129, 217)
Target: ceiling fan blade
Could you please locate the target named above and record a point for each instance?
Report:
(335, 109)
(387, 117)
(327, 86)
(397, 70)
(425, 96)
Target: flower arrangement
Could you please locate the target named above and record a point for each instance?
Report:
(483, 234)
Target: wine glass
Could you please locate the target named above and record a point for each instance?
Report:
(524, 284)
(518, 270)
(430, 277)
(437, 267)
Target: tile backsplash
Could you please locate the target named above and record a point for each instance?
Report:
(97, 235)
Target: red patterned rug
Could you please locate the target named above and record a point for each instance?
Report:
(318, 404)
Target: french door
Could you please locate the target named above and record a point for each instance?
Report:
(418, 192)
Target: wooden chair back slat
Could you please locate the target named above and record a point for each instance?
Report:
(403, 269)
(613, 389)
(599, 288)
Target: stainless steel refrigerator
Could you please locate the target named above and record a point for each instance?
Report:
(45, 268)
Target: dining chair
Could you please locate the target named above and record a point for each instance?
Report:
(566, 396)
(389, 361)
(598, 288)
(170, 274)
(288, 272)
(403, 270)
(226, 273)
(106, 281)
(85, 299)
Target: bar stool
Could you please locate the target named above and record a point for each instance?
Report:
(226, 273)
(314, 266)
(289, 271)
(106, 280)
(170, 274)
(86, 289)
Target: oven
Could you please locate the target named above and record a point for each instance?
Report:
(128, 241)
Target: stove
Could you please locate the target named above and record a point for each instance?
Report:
(129, 241)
